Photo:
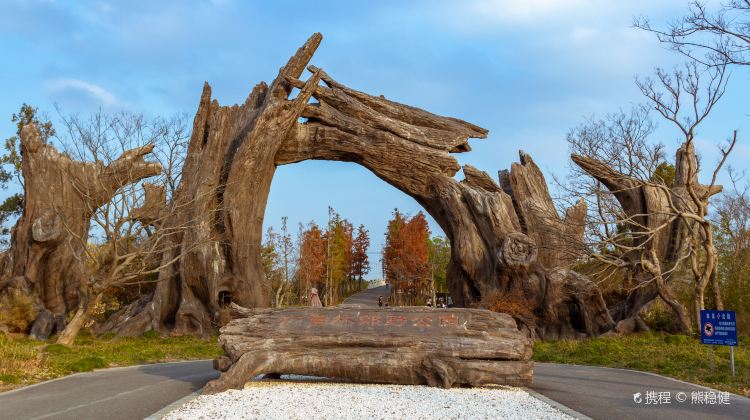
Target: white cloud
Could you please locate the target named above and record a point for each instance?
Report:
(97, 92)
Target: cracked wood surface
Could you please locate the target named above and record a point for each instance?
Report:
(408, 345)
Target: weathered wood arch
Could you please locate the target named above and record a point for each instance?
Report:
(496, 230)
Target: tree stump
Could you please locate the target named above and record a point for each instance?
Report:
(656, 231)
(223, 191)
(409, 345)
(60, 194)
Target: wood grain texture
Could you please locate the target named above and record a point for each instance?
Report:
(409, 345)
(224, 188)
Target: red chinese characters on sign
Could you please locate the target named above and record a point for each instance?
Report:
(448, 321)
(396, 320)
(343, 319)
(420, 321)
(293, 320)
(424, 321)
(318, 320)
(370, 320)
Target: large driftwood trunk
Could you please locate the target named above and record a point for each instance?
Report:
(224, 188)
(495, 232)
(411, 346)
(559, 240)
(660, 237)
(60, 195)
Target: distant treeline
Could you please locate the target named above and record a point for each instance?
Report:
(334, 259)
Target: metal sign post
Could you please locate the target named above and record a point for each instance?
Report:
(719, 328)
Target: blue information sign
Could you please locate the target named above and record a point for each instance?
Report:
(718, 328)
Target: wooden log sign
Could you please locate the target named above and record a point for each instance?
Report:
(405, 345)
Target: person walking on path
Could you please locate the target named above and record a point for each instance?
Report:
(380, 301)
(314, 299)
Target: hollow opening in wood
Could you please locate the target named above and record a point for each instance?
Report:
(225, 298)
(576, 317)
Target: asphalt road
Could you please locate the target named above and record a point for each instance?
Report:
(604, 393)
(120, 393)
(368, 297)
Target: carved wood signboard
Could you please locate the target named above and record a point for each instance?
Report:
(369, 320)
(407, 345)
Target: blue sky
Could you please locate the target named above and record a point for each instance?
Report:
(528, 70)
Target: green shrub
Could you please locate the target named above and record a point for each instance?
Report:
(85, 333)
(87, 364)
(637, 365)
(679, 356)
(31, 361)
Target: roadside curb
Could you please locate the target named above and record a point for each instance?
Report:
(564, 408)
(174, 405)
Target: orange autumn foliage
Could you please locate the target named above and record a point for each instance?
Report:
(405, 255)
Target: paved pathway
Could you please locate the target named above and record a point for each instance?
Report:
(121, 393)
(604, 393)
(368, 297)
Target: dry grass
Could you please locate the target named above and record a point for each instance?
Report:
(16, 311)
(20, 363)
(514, 304)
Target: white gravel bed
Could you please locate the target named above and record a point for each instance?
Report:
(306, 399)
